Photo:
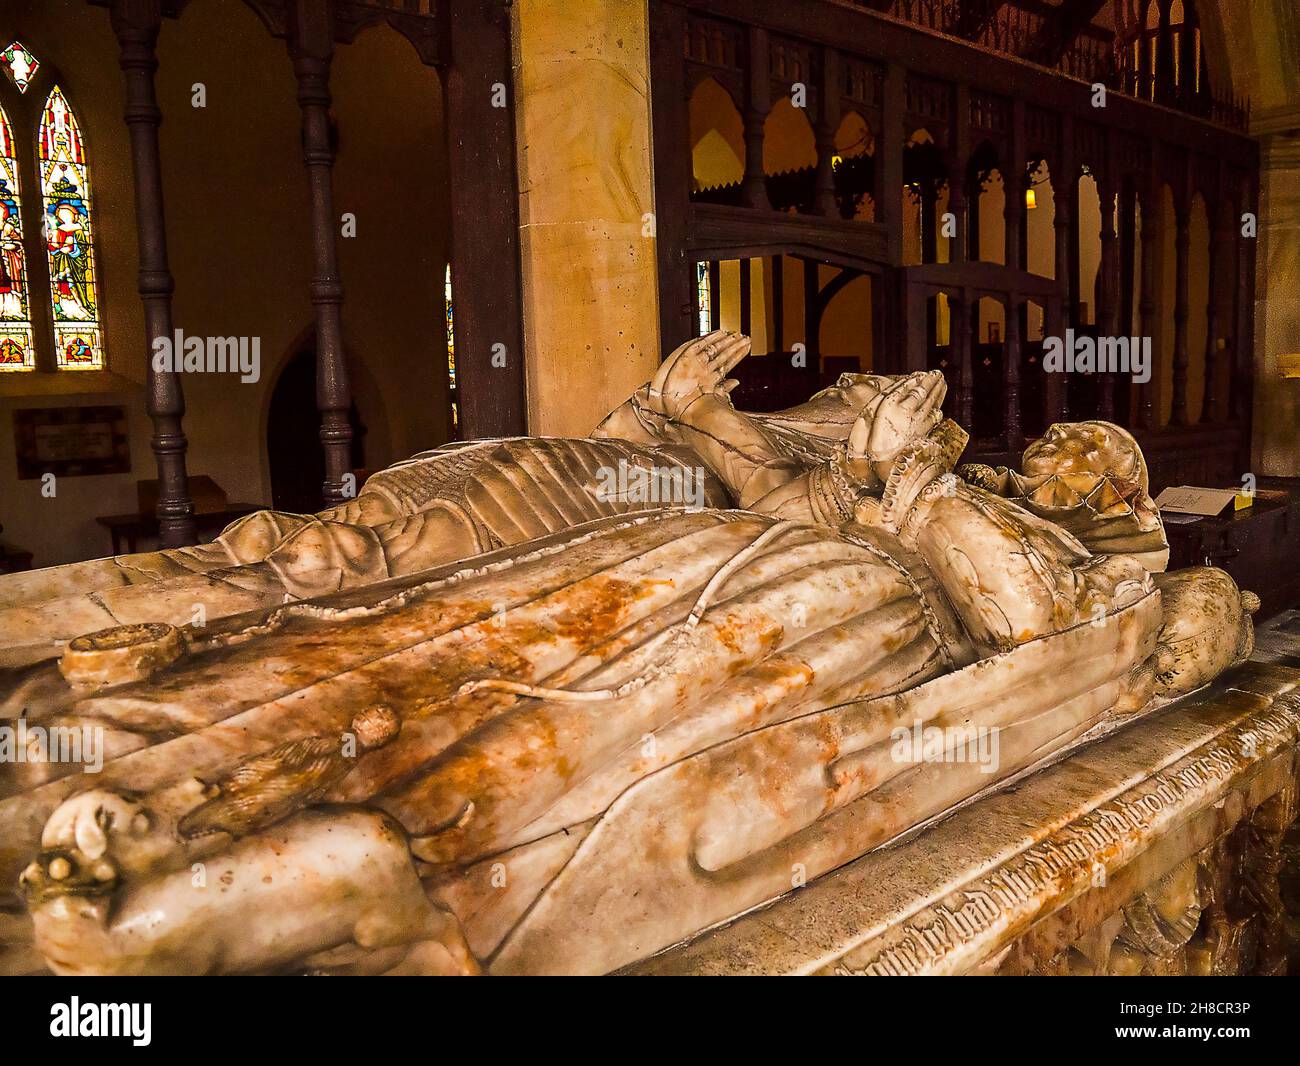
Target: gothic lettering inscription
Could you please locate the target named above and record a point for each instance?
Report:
(976, 919)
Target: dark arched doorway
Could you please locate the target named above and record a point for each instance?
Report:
(294, 451)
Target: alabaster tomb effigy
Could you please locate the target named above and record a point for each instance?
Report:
(575, 706)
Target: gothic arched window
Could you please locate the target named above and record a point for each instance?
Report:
(50, 316)
(703, 298)
(17, 351)
(65, 196)
(451, 352)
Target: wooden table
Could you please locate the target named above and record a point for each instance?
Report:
(130, 528)
(1258, 546)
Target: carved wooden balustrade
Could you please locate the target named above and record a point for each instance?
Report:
(468, 41)
(974, 101)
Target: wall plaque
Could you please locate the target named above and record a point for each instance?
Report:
(71, 441)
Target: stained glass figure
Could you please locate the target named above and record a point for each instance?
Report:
(451, 335)
(19, 64)
(16, 348)
(451, 353)
(69, 238)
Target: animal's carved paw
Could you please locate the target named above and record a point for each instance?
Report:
(60, 873)
(91, 841)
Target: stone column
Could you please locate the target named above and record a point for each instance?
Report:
(587, 238)
(136, 24)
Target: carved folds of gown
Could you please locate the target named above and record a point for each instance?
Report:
(509, 722)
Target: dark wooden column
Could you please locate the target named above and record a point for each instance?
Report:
(960, 313)
(811, 317)
(1011, 357)
(1187, 60)
(959, 198)
(828, 123)
(1182, 273)
(1127, 254)
(671, 150)
(1164, 72)
(1148, 303)
(1145, 74)
(1013, 179)
(485, 221)
(1013, 216)
(1220, 238)
(757, 104)
(1243, 356)
(889, 159)
(1064, 189)
(1108, 306)
(136, 24)
(311, 47)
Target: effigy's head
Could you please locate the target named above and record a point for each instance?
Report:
(1087, 448)
(857, 390)
(860, 390)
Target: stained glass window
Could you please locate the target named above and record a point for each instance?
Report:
(451, 352)
(19, 64)
(703, 297)
(16, 350)
(69, 238)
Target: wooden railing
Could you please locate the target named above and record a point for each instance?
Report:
(900, 78)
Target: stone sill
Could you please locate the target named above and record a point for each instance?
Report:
(64, 383)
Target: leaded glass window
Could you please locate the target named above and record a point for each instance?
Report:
(69, 237)
(17, 351)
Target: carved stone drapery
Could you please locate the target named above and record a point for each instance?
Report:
(1179, 873)
(136, 24)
